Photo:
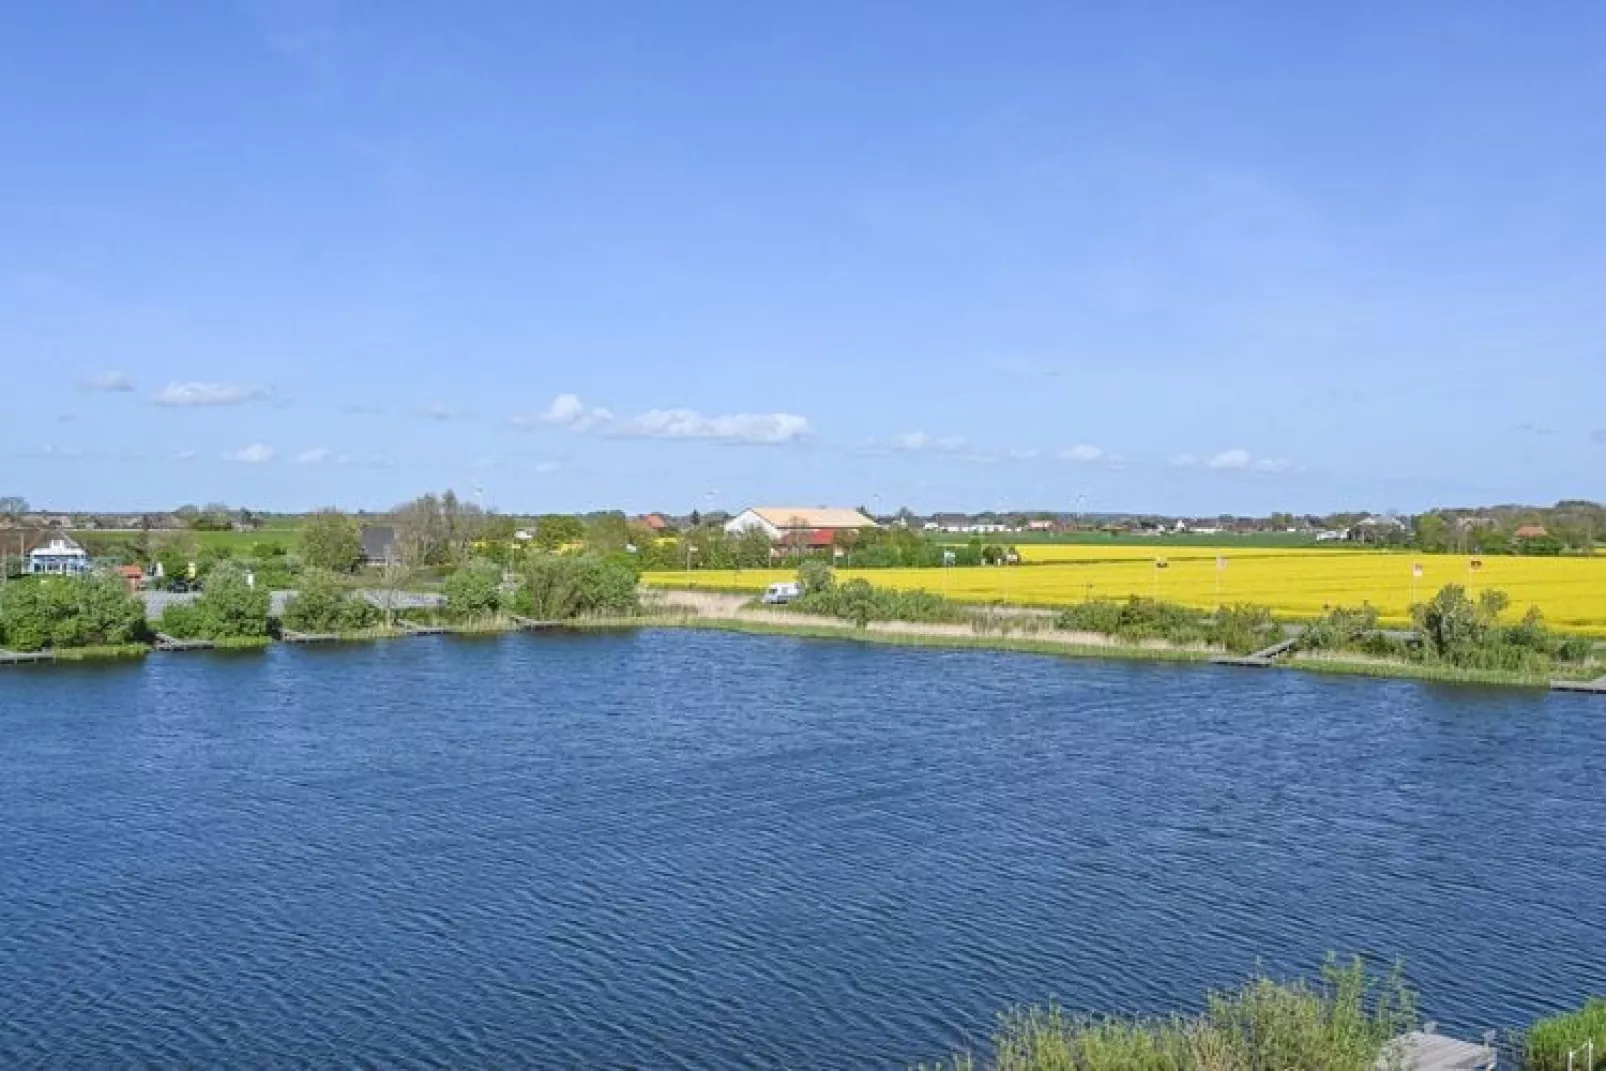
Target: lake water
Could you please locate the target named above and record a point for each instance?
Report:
(706, 850)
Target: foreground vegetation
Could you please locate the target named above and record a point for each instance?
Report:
(1345, 1022)
(1551, 1040)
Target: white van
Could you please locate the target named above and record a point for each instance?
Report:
(778, 594)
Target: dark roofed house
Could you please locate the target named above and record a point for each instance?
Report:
(379, 545)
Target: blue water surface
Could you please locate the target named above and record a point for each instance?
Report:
(705, 850)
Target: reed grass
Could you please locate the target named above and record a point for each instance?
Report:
(103, 653)
(1550, 1040)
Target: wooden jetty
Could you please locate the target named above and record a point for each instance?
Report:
(292, 636)
(17, 658)
(1596, 687)
(164, 642)
(1260, 659)
(1424, 1050)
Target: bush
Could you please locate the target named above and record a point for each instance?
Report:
(1244, 628)
(229, 607)
(62, 612)
(1137, 619)
(474, 590)
(323, 605)
(560, 587)
(814, 577)
(861, 602)
(1550, 1040)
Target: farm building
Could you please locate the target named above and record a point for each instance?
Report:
(379, 545)
(779, 522)
(1531, 531)
(60, 555)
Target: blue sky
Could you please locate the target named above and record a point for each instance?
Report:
(1173, 257)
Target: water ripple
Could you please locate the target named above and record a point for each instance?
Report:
(696, 850)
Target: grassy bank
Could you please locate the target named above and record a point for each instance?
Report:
(105, 653)
(1416, 671)
(976, 641)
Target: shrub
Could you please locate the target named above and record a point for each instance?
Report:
(861, 602)
(815, 576)
(229, 607)
(474, 590)
(560, 587)
(1138, 619)
(62, 612)
(323, 605)
(1244, 628)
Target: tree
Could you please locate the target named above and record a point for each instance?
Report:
(331, 540)
(230, 607)
(70, 612)
(13, 507)
(1432, 532)
(323, 605)
(815, 577)
(557, 588)
(555, 530)
(475, 590)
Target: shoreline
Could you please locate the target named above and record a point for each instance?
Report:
(934, 637)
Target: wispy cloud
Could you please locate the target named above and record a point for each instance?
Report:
(916, 442)
(544, 467)
(1599, 438)
(1238, 459)
(1083, 453)
(185, 455)
(1530, 428)
(439, 411)
(1184, 461)
(321, 455)
(110, 382)
(196, 393)
(362, 409)
(255, 454)
(566, 411)
(747, 428)
(1028, 454)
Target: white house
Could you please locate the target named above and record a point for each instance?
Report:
(777, 521)
(61, 555)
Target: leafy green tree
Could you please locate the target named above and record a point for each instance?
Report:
(555, 530)
(13, 506)
(229, 608)
(475, 590)
(814, 577)
(1432, 532)
(322, 604)
(69, 612)
(557, 588)
(331, 540)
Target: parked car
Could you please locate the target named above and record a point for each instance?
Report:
(780, 594)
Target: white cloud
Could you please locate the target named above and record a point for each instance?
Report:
(915, 442)
(547, 466)
(321, 455)
(439, 411)
(185, 455)
(1028, 454)
(757, 428)
(566, 411)
(255, 454)
(362, 409)
(111, 382)
(1185, 461)
(1083, 453)
(1599, 438)
(1231, 459)
(183, 394)
(1241, 460)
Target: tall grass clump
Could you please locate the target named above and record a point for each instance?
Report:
(1344, 1022)
(1551, 1039)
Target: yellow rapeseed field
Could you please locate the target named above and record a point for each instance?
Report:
(1293, 582)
